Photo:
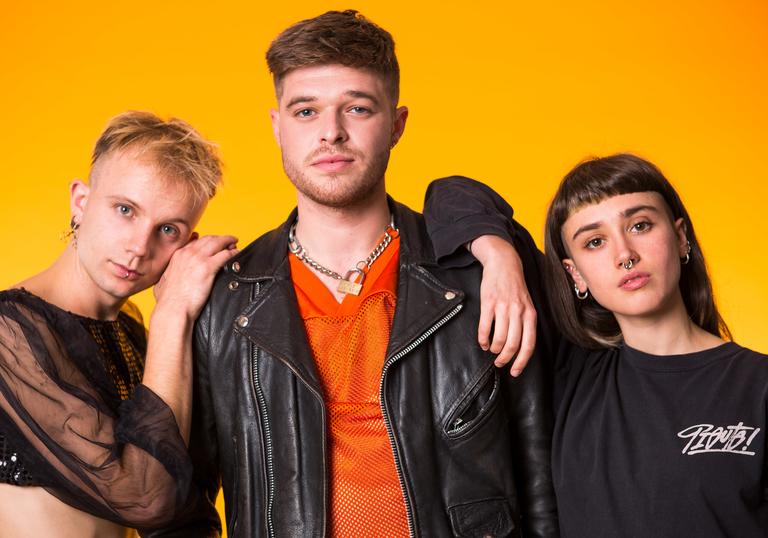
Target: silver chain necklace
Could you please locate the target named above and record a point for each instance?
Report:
(346, 283)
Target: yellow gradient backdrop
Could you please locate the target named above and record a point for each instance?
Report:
(514, 93)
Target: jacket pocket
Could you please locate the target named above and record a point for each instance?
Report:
(489, 518)
(474, 405)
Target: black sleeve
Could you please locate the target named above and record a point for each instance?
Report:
(457, 210)
(200, 519)
(129, 466)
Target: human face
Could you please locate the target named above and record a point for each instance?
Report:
(132, 219)
(335, 126)
(601, 238)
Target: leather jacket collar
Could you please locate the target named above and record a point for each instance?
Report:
(429, 300)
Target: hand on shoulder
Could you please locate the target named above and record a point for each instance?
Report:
(187, 281)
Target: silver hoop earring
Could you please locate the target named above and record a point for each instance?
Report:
(687, 258)
(579, 295)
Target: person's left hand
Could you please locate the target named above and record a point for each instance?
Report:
(505, 304)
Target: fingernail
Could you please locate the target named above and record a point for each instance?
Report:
(515, 373)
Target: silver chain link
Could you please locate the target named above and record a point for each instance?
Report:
(301, 253)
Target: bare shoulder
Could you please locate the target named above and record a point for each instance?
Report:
(130, 309)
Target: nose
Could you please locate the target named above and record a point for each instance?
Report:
(626, 255)
(332, 130)
(139, 242)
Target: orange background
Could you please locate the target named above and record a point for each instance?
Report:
(514, 93)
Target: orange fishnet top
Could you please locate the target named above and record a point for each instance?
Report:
(349, 343)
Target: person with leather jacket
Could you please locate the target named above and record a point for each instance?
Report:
(339, 387)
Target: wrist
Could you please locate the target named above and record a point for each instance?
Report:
(486, 248)
(168, 316)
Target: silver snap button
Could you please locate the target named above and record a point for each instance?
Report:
(242, 321)
(450, 295)
(236, 267)
(233, 285)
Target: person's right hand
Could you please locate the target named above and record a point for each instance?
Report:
(505, 304)
(187, 281)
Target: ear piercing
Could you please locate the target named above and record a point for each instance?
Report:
(72, 232)
(579, 295)
(687, 256)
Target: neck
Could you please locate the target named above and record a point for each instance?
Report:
(338, 238)
(66, 284)
(669, 332)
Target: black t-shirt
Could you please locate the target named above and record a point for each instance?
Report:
(652, 446)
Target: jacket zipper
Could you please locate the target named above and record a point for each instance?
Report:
(267, 437)
(262, 403)
(385, 413)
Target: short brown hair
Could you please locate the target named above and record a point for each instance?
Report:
(336, 37)
(173, 146)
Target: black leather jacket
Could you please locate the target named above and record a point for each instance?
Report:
(471, 443)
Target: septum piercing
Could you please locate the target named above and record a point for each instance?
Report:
(628, 264)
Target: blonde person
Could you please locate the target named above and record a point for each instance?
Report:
(94, 414)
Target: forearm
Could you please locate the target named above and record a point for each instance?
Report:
(168, 367)
(200, 519)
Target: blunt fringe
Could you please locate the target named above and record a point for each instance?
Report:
(586, 322)
(336, 37)
(173, 146)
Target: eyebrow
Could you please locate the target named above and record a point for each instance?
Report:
(363, 95)
(124, 200)
(351, 93)
(300, 99)
(625, 214)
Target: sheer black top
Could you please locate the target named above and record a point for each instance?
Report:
(76, 420)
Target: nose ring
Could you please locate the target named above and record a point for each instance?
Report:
(628, 264)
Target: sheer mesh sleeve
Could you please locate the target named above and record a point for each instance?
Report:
(122, 461)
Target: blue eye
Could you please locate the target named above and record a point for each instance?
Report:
(124, 210)
(167, 229)
(305, 113)
(359, 110)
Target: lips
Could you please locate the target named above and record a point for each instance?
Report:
(126, 274)
(634, 280)
(333, 163)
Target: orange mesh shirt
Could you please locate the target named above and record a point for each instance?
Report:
(349, 343)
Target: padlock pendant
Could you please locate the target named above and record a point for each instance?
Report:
(348, 286)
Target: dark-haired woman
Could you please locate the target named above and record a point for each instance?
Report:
(660, 426)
